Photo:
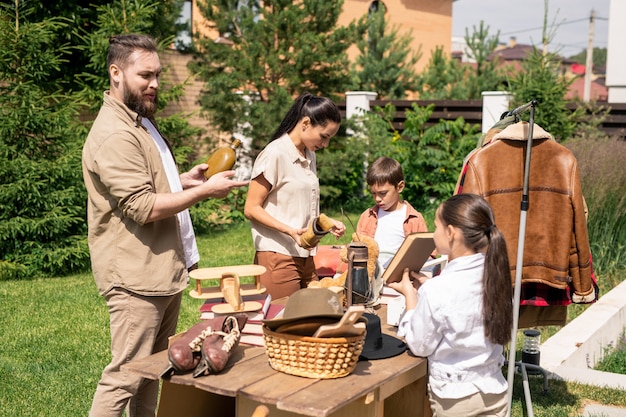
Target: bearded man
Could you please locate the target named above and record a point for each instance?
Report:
(141, 239)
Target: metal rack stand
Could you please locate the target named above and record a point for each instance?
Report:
(518, 273)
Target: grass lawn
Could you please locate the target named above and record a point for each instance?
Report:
(54, 342)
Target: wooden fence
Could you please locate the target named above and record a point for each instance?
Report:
(471, 110)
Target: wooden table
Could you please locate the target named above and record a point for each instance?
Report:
(393, 387)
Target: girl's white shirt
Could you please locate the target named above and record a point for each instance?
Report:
(447, 327)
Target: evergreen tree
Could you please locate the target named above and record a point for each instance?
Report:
(42, 221)
(81, 17)
(267, 52)
(540, 79)
(443, 79)
(386, 64)
(485, 76)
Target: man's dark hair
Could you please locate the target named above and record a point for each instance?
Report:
(121, 47)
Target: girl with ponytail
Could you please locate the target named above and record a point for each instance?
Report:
(461, 319)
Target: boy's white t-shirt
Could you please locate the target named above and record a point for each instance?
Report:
(389, 233)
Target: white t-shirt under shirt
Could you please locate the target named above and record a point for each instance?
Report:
(187, 235)
(389, 233)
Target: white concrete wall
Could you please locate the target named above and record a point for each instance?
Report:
(494, 104)
(616, 59)
(358, 102)
(575, 349)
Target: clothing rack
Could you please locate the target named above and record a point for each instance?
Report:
(524, 205)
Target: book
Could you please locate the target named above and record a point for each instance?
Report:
(413, 253)
(252, 332)
(252, 339)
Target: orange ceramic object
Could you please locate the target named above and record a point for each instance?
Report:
(222, 159)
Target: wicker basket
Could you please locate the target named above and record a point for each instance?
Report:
(312, 357)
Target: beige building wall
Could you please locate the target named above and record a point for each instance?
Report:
(428, 21)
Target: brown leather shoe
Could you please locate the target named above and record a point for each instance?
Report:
(217, 347)
(184, 353)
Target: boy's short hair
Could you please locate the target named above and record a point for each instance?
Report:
(385, 170)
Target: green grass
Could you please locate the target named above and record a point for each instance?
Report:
(54, 341)
(615, 357)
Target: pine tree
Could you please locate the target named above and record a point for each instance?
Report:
(485, 75)
(386, 64)
(443, 79)
(83, 16)
(541, 79)
(42, 220)
(267, 53)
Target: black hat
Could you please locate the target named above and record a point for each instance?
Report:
(377, 344)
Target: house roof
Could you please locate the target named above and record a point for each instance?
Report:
(516, 52)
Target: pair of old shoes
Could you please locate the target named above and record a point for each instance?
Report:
(206, 347)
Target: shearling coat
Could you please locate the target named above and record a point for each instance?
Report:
(556, 249)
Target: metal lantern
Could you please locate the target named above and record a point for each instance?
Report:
(530, 351)
(358, 286)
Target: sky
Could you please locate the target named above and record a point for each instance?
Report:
(523, 19)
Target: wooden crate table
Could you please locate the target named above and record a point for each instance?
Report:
(394, 387)
(201, 275)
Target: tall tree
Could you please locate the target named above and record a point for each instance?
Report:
(541, 79)
(267, 52)
(485, 76)
(81, 17)
(443, 78)
(42, 221)
(386, 64)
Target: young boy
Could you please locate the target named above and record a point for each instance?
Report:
(391, 219)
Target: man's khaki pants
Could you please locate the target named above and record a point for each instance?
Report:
(140, 326)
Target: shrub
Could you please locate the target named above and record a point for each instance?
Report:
(603, 175)
(431, 156)
(42, 221)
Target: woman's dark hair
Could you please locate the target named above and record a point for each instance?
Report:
(472, 214)
(121, 47)
(320, 110)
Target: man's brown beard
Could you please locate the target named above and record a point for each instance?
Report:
(137, 104)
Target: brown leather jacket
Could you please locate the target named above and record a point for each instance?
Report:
(556, 249)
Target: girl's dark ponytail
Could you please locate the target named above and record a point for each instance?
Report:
(473, 215)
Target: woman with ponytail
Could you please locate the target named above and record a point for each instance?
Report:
(461, 319)
(284, 194)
